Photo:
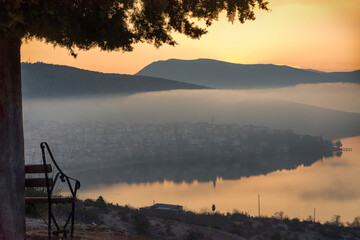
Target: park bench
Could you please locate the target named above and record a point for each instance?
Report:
(47, 182)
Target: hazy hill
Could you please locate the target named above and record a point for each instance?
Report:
(218, 74)
(47, 80)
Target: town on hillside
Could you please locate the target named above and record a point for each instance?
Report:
(101, 143)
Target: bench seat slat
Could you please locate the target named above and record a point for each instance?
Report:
(38, 182)
(38, 200)
(38, 168)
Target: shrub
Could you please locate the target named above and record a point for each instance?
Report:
(215, 226)
(276, 236)
(336, 220)
(89, 202)
(141, 222)
(237, 229)
(168, 230)
(87, 215)
(194, 236)
(280, 215)
(40, 208)
(100, 203)
(356, 222)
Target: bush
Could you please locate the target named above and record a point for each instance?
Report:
(141, 222)
(237, 229)
(89, 202)
(100, 203)
(336, 221)
(280, 215)
(41, 208)
(194, 236)
(87, 215)
(215, 226)
(168, 230)
(356, 222)
(276, 236)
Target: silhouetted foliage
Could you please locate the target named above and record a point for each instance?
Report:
(336, 220)
(114, 24)
(337, 144)
(194, 236)
(237, 229)
(141, 222)
(89, 202)
(41, 208)
(280, 215)
(87, 216)
(100, 202)
(276, 236)
(356, 222)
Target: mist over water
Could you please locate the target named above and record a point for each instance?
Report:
(337, 96)
(293, 184)
(314, 109)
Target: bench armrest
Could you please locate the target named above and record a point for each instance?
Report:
(63, 177)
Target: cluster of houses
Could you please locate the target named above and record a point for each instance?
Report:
(99, 142)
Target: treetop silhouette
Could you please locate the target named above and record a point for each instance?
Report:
(115, 24)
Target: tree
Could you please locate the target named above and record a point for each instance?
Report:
(336, 220)
(83, 24)
(356, 222)
(337, 144)
(280, 215)
(100, 202)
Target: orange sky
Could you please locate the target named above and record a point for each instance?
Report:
(317, 34)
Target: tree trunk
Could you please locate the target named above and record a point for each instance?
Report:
(12, 204)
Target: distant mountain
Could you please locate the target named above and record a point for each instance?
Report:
(46, 80)
(218, 74)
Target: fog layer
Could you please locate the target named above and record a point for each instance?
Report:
(316, 109)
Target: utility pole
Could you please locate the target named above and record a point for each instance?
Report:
(259, 203)
(314, 214)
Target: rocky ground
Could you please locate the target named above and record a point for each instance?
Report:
(105, 222)
(37, 230)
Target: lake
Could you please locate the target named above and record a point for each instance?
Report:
(330, 185)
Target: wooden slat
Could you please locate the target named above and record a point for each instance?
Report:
(37, 200)
(38, 182)
(38, 168)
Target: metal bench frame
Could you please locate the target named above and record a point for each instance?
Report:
(72, 183)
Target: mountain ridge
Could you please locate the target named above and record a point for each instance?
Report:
(41, 80)
(225, 75)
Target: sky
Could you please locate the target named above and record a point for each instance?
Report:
(310, 34)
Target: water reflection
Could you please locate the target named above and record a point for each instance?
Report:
(190, 170)
(329, 185)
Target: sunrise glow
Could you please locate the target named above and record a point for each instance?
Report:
(321, 35)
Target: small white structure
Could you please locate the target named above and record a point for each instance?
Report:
(164, 207)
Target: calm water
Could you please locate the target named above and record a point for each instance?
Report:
(331, 185)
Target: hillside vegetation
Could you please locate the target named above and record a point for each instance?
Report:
(97, 219)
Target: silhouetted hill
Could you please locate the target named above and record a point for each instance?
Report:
(353, 77)
(47, 80)
(218, 74)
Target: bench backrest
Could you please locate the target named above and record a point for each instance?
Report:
(39, 182)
